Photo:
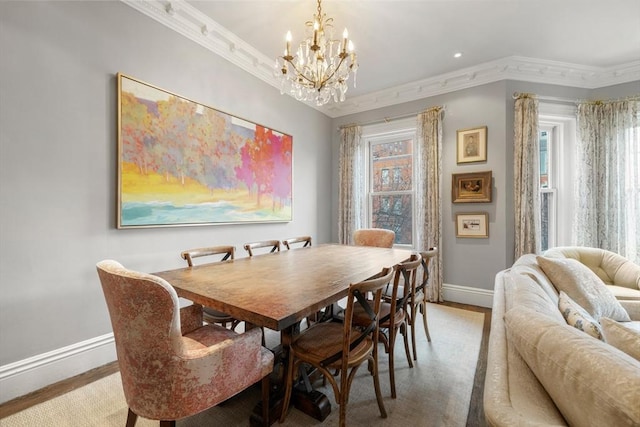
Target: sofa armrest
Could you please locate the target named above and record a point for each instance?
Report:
(632, 307)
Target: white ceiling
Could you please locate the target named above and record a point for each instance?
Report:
(405, 48)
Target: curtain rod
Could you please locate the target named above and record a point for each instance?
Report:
(390, 119)
(517, 95)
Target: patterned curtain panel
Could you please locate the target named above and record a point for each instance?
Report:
(351, 193)
(526, 176)
(429, 212)
(608, 182)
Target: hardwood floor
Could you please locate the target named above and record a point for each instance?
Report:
(475, 417)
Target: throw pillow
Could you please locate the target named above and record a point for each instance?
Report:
(584, 287)
(590, 383)
(578, 317)
(621, 337)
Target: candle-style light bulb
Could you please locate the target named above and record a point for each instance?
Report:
(316, 26)
(345, 37)
(350, 46)
(287, 52)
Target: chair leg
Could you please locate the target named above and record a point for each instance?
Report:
(171, 423)
(265, 401)
(405, 334)
(414, 313)
(132, 417)
(376, 383)
(343, 398)
(424, 319)
(392, 376)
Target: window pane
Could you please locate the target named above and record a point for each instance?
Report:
(396, 156)
(546, 199)
(394, 213)
(544, 159)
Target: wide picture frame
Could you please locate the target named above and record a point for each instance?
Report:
(182, 163)
(473, 225)
(471, 145)
(472, 187)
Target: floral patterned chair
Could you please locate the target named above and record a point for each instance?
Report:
(171, 365)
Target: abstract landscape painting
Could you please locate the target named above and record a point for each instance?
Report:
(183, 163)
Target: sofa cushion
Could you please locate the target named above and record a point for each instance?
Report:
(621, 337)
(624, 293)
(583, 286)
(578, 317)
(591, 382)
(521, 290)
(611, 268)
(632, 307)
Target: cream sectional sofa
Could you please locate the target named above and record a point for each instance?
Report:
(541, 371)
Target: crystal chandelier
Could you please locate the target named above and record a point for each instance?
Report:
(321, 66)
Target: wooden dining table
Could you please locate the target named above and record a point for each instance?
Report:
(278, 290)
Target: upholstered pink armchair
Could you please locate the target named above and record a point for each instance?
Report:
(171, 365)
(374, 237)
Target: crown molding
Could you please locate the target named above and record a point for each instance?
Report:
(510, 68)
(198, 27)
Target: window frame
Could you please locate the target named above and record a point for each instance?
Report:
(396, 131)
(562, 118)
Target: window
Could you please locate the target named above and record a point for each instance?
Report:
(390, 180)
(547, 188)
(557, 136)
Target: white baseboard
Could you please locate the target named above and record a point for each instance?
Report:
(24, 376)
(468, 295)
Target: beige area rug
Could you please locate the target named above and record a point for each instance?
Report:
(436, 392)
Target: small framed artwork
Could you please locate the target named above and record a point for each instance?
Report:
(472, 145)
(472, 187)
(475, 225)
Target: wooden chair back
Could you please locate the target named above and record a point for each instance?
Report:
(272, 245)
(227, 252)
(405, 274)
(358, 295)
(303, 241)
(426, 261)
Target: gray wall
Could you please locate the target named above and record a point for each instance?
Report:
(58, 162)
(475, 262)
(58, 150)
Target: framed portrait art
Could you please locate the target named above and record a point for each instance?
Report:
(472, 187)
(183, 163)
(475, 225)
(472, 145)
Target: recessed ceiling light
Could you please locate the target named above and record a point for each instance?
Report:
(457, 54)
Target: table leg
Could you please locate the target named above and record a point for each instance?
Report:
(304, 397)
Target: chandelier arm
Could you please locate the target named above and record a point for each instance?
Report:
(335, 70)
(300, 73)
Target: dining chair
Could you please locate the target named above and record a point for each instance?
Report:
(271, 245)
(228, 253)
(341, 347)
(379, 237)
(303, 241)
(393, 313)
(171, 365)
(419, 299)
